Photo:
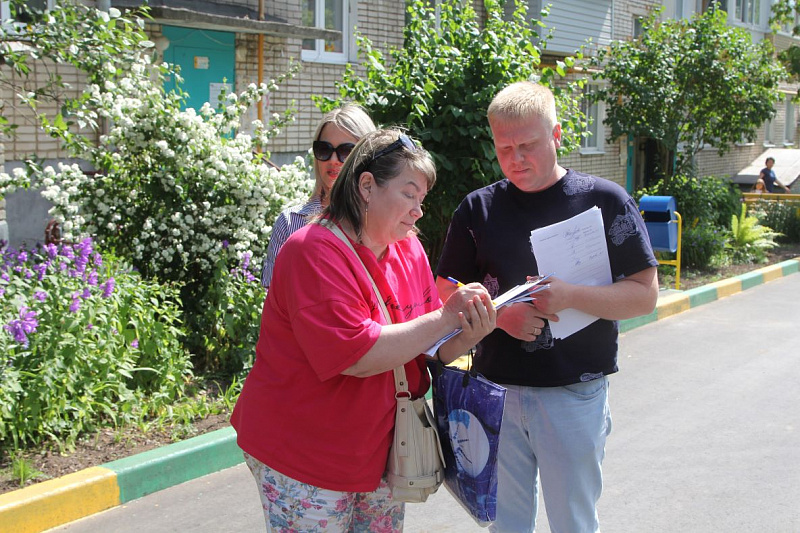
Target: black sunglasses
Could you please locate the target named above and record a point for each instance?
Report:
(323, 150)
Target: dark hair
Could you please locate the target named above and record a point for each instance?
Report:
(346, 203)
(769, 159)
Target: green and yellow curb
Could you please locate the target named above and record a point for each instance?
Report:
(59, 501)
(56, 502)
(673, 304)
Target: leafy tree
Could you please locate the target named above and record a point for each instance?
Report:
(440, 84)
(786, 13)
(686, 82)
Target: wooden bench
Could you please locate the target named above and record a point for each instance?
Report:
(750, 199)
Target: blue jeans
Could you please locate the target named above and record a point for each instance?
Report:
(560, 433)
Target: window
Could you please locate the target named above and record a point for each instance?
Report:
(638, 27)
(593, 143)
(330, 15)
(704, 5)
(748, 11)
(789, 125)
(769, 133)
(27, 12)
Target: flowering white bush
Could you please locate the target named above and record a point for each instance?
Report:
(172, 185)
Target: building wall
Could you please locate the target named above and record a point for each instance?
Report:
(381, 21)
(28, 139)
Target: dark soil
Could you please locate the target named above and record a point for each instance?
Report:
(109, 445)
(105, 446)
(696, 278)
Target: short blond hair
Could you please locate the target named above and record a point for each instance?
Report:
(522, 100)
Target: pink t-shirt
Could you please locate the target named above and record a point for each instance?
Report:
(297, 413)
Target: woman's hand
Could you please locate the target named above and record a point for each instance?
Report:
(479, 320)
(459, 302)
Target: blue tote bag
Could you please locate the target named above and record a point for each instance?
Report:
(469, 411)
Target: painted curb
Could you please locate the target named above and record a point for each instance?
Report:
(674, 304)
(157, 469)
(58, 501)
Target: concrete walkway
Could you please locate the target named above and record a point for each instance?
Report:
(85, 493)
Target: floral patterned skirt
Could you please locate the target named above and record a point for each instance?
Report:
(290, 505)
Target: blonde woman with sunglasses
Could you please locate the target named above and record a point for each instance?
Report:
(336, 135)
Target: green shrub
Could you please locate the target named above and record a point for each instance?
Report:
(701, 244)
(85, 342)
(439, 84)
(783, 217)
(749, 240)
(225, 330)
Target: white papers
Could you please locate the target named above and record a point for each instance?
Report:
(430, 352)
(520, 293)
(575, 250)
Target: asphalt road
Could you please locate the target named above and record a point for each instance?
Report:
(706, 436)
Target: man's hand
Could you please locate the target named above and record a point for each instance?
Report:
(523, 321)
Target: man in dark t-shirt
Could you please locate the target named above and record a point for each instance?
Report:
(556, 417)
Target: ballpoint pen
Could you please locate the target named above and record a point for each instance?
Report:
(454, 281)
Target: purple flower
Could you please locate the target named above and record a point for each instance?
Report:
(108, 287)
(40, 270)
(22, 256)
(40, 295)
(23, 326)
(4, 276)
(86, 293)
(75, 306)
(62, 267)
(52, 250)
(135, 343)
(225, 244)
(28, 274)
(92, 279)
(84, 250)
(246, 260)
(2, 291)
(89, 326)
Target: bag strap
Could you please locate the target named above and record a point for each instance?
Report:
(400, 383)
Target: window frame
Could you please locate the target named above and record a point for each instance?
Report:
(747, 12)
(5, 9)
(598, 140)
(789, 125)
(769, 132)
(318, 54)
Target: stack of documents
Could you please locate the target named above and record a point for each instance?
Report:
(520, 293)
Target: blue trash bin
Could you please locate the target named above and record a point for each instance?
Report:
(662, 223)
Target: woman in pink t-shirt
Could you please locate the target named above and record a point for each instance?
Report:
(316, 415)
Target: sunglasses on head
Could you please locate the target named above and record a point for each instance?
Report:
(323, 150)
(404, 141)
